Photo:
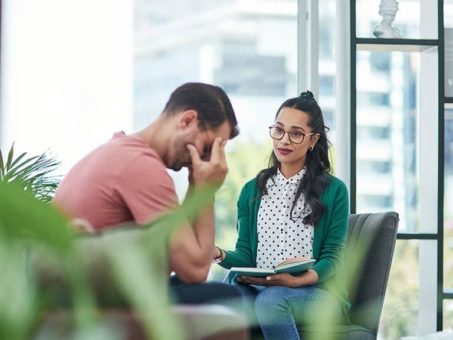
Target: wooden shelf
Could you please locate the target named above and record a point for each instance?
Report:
(395, 45)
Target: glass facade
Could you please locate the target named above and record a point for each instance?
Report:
(230, 43)
(448, 314)
(401, 305)
(387, 124)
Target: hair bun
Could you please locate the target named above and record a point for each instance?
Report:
(307, 94)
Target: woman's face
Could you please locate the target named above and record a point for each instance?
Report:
(295, 124)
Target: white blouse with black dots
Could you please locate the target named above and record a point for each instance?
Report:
(279, 236)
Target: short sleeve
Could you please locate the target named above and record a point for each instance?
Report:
(146, 188)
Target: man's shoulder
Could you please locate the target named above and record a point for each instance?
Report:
(131, 144)
(131, 152)
(122, 156)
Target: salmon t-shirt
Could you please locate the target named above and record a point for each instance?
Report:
(123, 180)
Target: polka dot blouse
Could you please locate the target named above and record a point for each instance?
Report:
(279, 236)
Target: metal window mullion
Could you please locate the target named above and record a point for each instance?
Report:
(307, 46)
(428, 170)
(441, 165)
(353, 114)
(343, 91)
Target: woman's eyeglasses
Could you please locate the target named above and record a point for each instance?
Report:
(295, 136)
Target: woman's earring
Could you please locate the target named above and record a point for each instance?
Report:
(310, 148)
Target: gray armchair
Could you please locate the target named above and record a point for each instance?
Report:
(375, 234)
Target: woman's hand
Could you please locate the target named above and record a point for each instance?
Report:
(282, 279)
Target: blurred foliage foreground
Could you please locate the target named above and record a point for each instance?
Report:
(46, 267)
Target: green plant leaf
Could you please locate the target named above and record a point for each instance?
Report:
(2, 166)
(146, 292)
(10, 157)
(32, 173)
(18, 159)
(19, 168)
(24, 217)
(17, 285)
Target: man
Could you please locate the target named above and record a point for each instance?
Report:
(126, 180)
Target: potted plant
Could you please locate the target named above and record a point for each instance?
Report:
(32, 173)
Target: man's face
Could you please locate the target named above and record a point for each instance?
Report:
(201, 138)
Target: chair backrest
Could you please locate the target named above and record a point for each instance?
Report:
(371, 238)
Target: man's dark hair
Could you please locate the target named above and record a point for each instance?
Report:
(211, 103)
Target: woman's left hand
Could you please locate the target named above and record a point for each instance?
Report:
(282, 279)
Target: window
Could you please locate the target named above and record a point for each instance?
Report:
(326, 86)
(235, 44)
(380, 62)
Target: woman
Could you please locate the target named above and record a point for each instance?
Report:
(293, 208)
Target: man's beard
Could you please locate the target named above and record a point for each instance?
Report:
(181, 156)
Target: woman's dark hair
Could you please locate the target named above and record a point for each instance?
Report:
(317, 162)
(211, 103)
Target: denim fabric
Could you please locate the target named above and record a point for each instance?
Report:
(204, 293)
(279, 310)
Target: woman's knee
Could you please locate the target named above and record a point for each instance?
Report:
(271, 298)
(272, 307)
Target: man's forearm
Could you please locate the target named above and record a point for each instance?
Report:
(203, 225)
(192, 247)
(204, 230)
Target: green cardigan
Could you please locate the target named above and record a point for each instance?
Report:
(328, 241)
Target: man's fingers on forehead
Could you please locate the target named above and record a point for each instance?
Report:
(217, 141)
(216, 145)
(193, 152)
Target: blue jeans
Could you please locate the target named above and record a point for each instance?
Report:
(278, 309)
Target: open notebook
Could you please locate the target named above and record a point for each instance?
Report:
(292, 266)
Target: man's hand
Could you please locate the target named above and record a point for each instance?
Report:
(212, 171)
(216, 253)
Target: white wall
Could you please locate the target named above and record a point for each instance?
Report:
(67, 74)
